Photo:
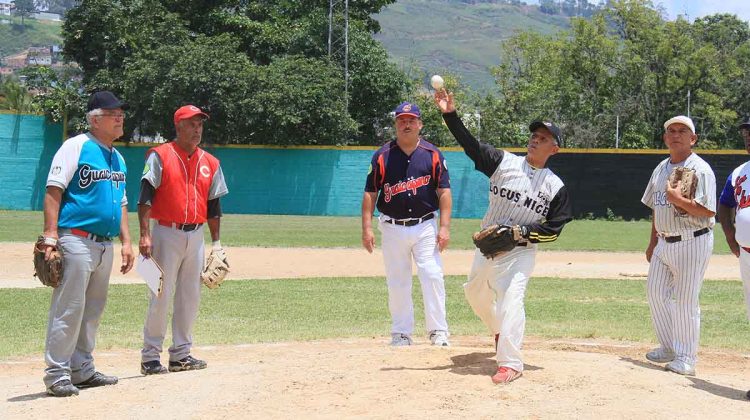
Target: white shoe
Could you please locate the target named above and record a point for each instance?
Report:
(399, 339)
(683, 368)
(439, 338)
(660, 355)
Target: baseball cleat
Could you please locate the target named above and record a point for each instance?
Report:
(62, 389)
(678, 366)
(188, 363)
(660, 355)
(152, 367)
(439, 338)
(506, 375)
(747, 395)
(399, 339)
(97, 379)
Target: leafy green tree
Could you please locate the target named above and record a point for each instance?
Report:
(248, 62)
(15, 97)
(24, 9)
(59, 95)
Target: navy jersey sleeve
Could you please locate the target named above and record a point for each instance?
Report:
(486, 158)
(444, 179)
(372, 183)
(560, 213)
(727, 194)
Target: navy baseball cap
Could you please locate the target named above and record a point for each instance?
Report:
(745, 122)
(407, 108)
(105, 100)
(555, 130)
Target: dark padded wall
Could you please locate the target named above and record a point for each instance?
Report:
(598, 181)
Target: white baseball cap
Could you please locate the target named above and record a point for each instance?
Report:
(680, 119)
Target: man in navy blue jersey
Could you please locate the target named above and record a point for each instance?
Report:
(408, 179)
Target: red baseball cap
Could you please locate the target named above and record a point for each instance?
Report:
(188, 111)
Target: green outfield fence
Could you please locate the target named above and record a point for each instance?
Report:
(330, 180)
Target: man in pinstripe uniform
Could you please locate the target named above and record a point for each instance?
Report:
(679, 249)
(522, 193)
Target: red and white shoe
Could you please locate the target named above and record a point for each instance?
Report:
(506, 375)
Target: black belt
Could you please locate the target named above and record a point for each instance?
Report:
(185, 228)
(411, 222)
(678, 238)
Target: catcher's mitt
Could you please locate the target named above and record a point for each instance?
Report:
(49, 272)
(496, 239)
(687, 187)
(216, 269)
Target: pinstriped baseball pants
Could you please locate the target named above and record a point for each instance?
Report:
(675, 277)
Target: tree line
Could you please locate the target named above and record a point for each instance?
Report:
(263, 72)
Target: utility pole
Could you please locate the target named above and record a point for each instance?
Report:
(338, 39)
(688, 98)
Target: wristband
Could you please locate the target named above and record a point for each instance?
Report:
(50, 241)
(217, 244)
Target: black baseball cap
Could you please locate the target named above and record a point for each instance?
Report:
(745, 122)
(105, 100)
(555, 130)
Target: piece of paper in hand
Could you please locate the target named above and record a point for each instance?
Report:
(151, 273)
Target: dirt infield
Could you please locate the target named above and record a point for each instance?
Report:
(272, 263)
(367, 378)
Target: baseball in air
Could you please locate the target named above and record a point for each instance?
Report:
(437, 82)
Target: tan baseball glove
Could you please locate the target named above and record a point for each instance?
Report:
(50, 271)
(216, 269)
(687, 187)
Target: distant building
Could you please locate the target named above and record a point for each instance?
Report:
(5, 6)
(39, 56)
(15, 61)
(54, 17)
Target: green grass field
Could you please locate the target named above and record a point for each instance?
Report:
(282, 310)
(289, 310)
(335, 232)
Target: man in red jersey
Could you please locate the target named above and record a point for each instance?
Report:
(180, 191)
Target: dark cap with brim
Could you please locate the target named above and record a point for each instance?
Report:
(105, 100)
(555, 130)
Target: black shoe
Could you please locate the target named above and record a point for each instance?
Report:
(153, 367)
(188, 363)
(97, 379)
(62, 389)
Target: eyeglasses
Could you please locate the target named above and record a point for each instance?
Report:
(113, 114)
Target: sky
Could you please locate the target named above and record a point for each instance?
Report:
(694, 8)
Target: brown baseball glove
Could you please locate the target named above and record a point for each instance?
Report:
(50, 271)
(687, 186)
(216, 269)
(497, 239)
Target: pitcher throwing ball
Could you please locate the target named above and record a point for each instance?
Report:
(533, 203)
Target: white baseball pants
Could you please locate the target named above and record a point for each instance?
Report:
(745, 275)
(675, 277)
(400, 244)
(496, 291)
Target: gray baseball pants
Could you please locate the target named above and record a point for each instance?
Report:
(180, 254)
(76, 308)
